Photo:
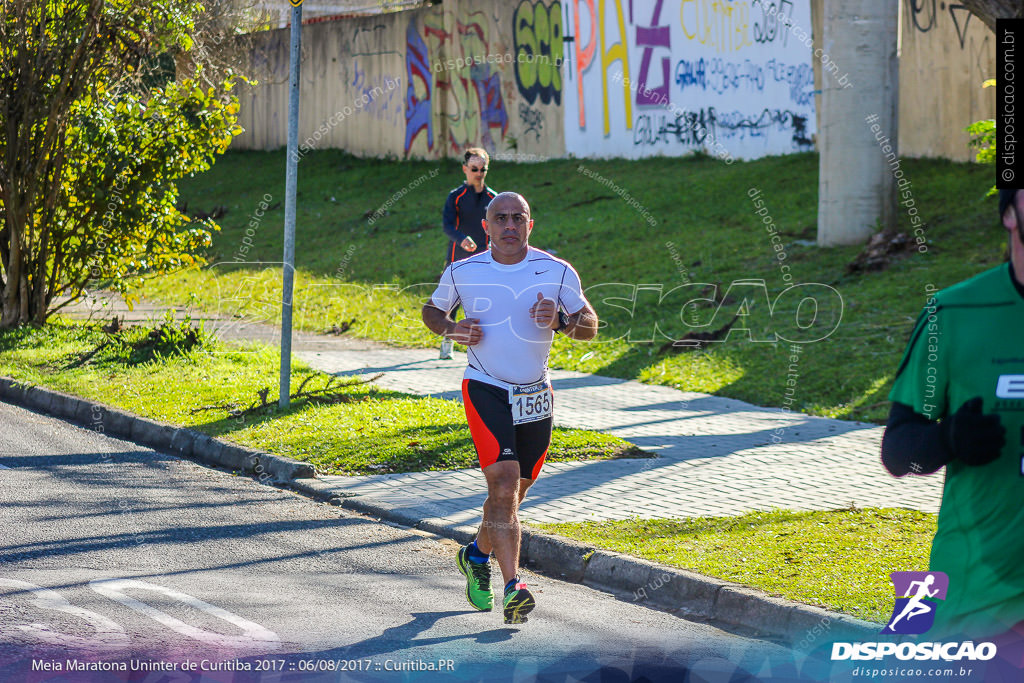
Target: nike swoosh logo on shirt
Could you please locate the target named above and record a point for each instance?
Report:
(541, 271)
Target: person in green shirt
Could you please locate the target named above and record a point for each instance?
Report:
(958, 402)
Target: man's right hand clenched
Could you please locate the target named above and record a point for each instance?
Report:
(466, 332)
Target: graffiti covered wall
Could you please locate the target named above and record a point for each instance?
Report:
(487, 74)
(351, 88)
(639, 78)
(674, 76)
(425, 83)
(946, 54)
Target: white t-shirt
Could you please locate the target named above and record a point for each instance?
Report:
(512, 348)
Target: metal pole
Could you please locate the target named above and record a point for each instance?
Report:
(291, 180)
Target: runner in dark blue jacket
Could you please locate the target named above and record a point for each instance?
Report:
(464, 210)
(466, 207)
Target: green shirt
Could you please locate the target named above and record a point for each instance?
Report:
(969, 341)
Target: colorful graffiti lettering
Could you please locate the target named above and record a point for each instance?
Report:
(537, 35)
(736, 77)
(491, 105)
(719, 24)
(721, 76)
(584, 55)
(650, 37)
(474, 105)
(617, 52)
(418, 90)
(476, 91)
(609, 54)
(799, 77)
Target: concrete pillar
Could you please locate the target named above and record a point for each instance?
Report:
(856, 188)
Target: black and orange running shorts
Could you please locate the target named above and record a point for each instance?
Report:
(495, 437)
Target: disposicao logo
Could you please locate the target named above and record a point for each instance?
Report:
(916, 595)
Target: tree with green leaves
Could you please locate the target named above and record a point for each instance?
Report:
(983, 138)
(983, 133)
(94, 135)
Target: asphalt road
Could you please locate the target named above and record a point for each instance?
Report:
(112, 554)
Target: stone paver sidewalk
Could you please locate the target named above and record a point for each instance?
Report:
(716, 456)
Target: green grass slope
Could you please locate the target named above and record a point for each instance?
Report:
(703, 228)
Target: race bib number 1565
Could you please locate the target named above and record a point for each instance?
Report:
(530, 402)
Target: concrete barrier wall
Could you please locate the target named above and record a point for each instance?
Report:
(352, 88)
(945, 56)
(429, 82)
(424, 83)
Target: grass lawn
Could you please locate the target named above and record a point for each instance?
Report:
(840, 559)
(367, 431)
(375, 276)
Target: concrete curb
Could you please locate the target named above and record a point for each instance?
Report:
(180, 441)
(691, 594)
(649, 583)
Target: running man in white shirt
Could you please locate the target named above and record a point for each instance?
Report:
(516, 298)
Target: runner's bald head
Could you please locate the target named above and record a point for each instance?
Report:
(503, 199)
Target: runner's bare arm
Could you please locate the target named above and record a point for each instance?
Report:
(465, 332)
(582, 324)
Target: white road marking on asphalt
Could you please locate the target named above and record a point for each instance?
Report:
(109, 635)
(254, 635)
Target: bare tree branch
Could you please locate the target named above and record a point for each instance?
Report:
(990, 10)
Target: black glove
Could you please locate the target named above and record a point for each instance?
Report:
(974, 438)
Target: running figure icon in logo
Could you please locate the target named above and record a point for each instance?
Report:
(916, 593)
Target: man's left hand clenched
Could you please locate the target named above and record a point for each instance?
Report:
(544, 312)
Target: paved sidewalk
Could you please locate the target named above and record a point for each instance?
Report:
(715, 455)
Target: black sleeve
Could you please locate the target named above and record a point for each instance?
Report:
(912, 443)
(448, 221)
